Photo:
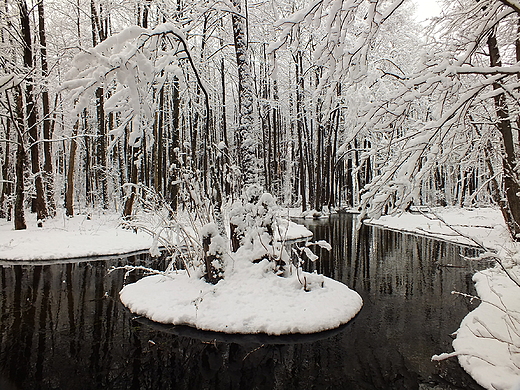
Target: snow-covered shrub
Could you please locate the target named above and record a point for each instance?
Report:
(214, 248)
(194, 242)
(253, 220)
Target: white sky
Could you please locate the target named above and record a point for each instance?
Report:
(426, 9)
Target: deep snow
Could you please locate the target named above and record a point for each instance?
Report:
(251, 299)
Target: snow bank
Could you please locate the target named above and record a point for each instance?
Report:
(488, 340)
(88, 235)
(250, 300)
(487, 343)
(468, 226)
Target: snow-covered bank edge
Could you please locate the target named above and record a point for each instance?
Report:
(487, 343)
(83, 236)
(86, 236)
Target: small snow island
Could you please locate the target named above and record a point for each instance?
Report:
(257, 287)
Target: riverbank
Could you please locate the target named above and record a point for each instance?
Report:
(91, 234)
(85, 235)
(487, 344)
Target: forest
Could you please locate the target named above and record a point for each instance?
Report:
(326, 104)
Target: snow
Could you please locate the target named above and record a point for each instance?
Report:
(487, 343)
(89, 234)
(85, 235)
(257, 290)
(462, 226)
(251, 299)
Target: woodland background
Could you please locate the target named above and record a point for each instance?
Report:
(326, 104)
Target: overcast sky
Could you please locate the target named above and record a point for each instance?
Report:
(426, 9)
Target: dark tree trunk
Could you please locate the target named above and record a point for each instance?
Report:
(47, 122)
(174, 154)
(6, 186)
(511, 205)
(101, 148)
(158, 145)
(19, 216)
(69, 192)
(129, 203)
(300, 126)
(211, 275)
(38, 204)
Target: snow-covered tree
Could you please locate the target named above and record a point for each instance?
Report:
(469, 81)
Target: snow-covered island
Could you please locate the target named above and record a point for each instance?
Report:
(257, 287)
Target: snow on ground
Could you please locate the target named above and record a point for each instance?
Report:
(87, 235)
(487, 343)
(250, 299)
(462, 226)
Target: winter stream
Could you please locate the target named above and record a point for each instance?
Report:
(63, 327)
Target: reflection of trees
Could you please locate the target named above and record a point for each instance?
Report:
(62, 326)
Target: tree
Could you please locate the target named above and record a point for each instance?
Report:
(133, 63)
(458, 84)
(46, 113)
(39, 205)
(246, 122)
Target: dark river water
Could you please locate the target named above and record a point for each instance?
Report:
(62, 326)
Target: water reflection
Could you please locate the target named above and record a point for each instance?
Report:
(62, 326)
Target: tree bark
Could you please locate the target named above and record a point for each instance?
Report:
(129, 203)
(247, 149)
(511, 205)
(101, 149)
(47, 132)
(38, 203)
(19, 216)
(69, 192)
(299, 127)
(174, 153)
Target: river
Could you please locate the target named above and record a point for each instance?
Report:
(62, 325)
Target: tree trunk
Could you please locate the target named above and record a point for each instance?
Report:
(5, 185)
(511, 205)
(158, 145)
(247, 149)
(129, 204)
(38, 203)
(69, 192)
(174, 153)
(19, 216)
(101, 148)
(299, 127)
(47, 132)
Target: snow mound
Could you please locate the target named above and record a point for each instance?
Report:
(488, 340)
(245, 302)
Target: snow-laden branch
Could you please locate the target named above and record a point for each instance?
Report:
(514, 4)
(348, 29)
(132, 64)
